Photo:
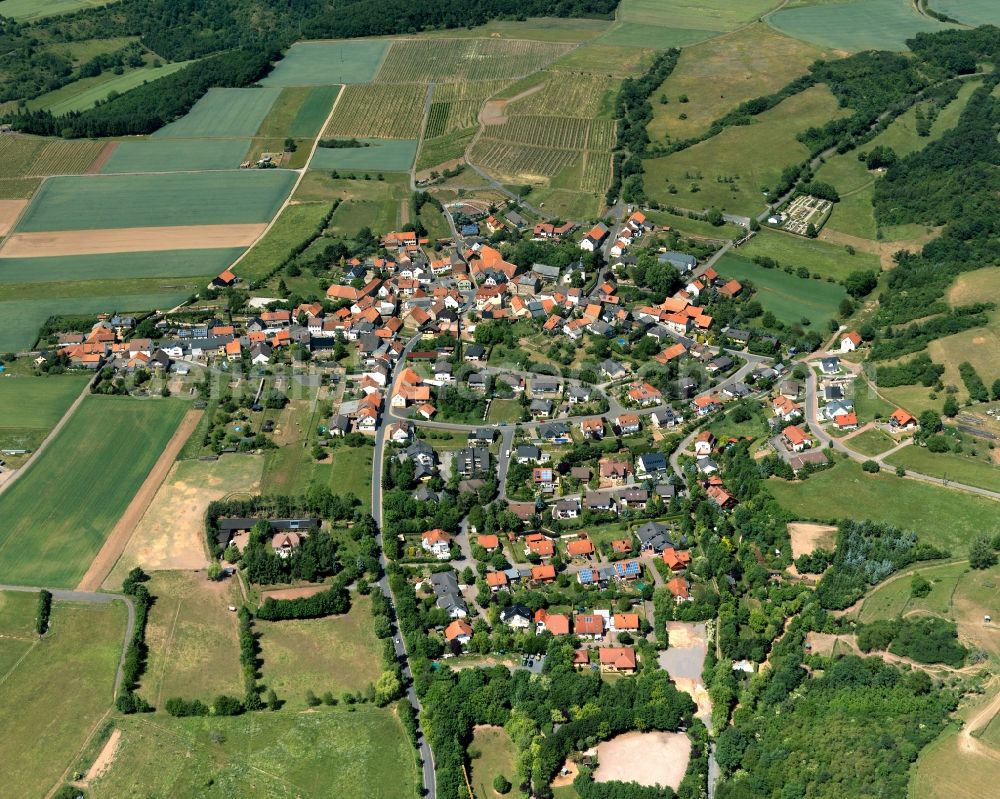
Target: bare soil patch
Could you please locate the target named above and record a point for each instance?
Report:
(571, 770)
(133, 239)
(824, 643)
(106, 757)
(10, 212)
(807, 538)
(495, 111)
(102, 158)
(649, 758)
(293, 593)
(119, 538)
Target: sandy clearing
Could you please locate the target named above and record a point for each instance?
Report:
(293, 593)
(806, 538)
(132, 239)
(571, 770)
(122, 532)
(10, 212)
(649, 758)
(105, 758)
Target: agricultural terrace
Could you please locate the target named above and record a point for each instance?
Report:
(788, 297)
(971, 12)
(461, 60)
(76, 489)
(730, 170)
(660, 24)
(384, 111)
(28, 10)
(856, 24)
(56, 691)
(22, 156)
(175, 155)
(819, 257)
(30, 407)
(336, 653)
(194, 651)
(940, 516)
(299, 111)
(281, 755)
(375, 155)
(326, 63)
(718, 75)
(223, 113)
(123, 201)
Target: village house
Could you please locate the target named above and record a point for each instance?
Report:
(795, 438)
(437, 542)
(618, 659)
(588, 625)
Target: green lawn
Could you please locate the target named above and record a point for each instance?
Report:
(53, 697)
(325, 63)
(295, 225)
(336, 653)
(497, 757)
(940, 516)
(17, 628)
(223, 113)
(309, 119)
(29, 401)
(788, 297)
(58, 514)
(871, 442)
(948, 466)
(352, 215)
(893, 599)
(504, 410)
(971, 12)
(113, 266)
(382, 155)
(856, 24)
(828, 260)
(27, 10)
(350, 471)
(169, 155)
(331, 753)
(86, 92)
(118, 201)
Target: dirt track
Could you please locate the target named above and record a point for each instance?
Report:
(120, 535)
(133, 239)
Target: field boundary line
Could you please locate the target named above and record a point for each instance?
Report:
(166, 651)
(114, 545)
(76, 757)
(12, 669)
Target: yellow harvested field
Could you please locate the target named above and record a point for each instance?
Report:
(132, 239)
(10, 210)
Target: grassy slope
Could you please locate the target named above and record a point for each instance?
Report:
(828, 260)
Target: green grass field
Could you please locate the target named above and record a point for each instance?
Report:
(277, 755)
(940, 516)
(326, 63)
(871, 442)
(172, 263)
(971, 12)
(313, 112)
(660, 24)
(382, 155)
(350, 471)
(166, 155)
(29, 401)
(856, 24)
(86, 92)
(78, 488)
(948, 466)
(828, 260)
(497, 757)
(50, 700)
(730, 170)
(295, 225)
(17, 628)
(116, 201)
(504, 410)
(194, 649)
(299, 111)
(27, 10)
(438, 150)
(337, 654)
(893, 599)
(223, 113)
(788, 297)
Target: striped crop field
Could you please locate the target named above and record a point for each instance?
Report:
(596, 172)
(460, 60)
(584, 95)
(563, 133)
(456, 106)
(511, 159)
(379, 111)
(22, 156)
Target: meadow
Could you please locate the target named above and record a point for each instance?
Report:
(940, 516)
(326, 63)
(174, 155)
(296, 225)
(192, 637)
(336, 653)
(87, 92)
(223, 113)
(856, 24)
(28, 10)
(788, 297)
(381, 155)
(278, 755)
(948, 466)
(497, 757)
(720, 172)
(17, 628)
(29, 401)
(22, 156)
(461, 60)
(660, 24)
(68, 676)
(971, 12)
(122, 201)
(721, 73)
(606, 59)
(819, 257)
(79, 486)
(299, 111)
(384, 111)
(871, 442)
(892, 599)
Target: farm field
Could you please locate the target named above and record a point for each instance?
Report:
(716, 172)
(818, 257)
(223, 113)
(111, 266)
(121, 201)
(695, 227)
(69, 243)
(336, 653)
(971, 12)
(18, 188)
(22, 156)
(661, 24)
(69, 676)
(497, 757)
(295, 225)
(381, 155)
(512, 161)
(856, 24)
(87, 92)
(27, 10)
(93, 459)
(30, 407)
(948, 466)
(583, 95)
(299, 111)
(171, 533)
(318, 186)
(788, 297)
(721, 73)
(164, 756)
(461, 60)
(606, 59)
(441, 149)
(326, 63)
(194, 651)
(17, 627)
(541, 29)
(940, 516)
(386, 111)
(172, 155)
